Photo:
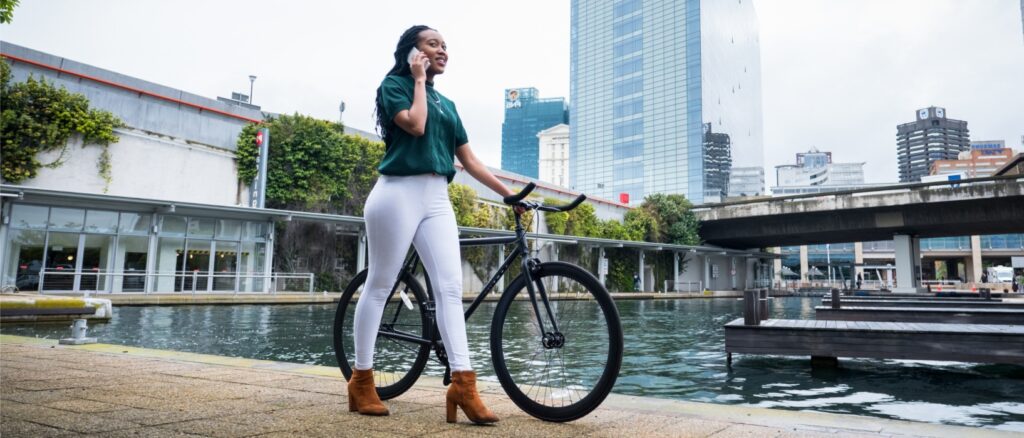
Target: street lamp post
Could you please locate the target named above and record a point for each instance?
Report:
(252, 78)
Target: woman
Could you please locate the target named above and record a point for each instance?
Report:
(409, 204)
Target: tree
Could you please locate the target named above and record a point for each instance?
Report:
(7, 10)
(39, 117)
(312, 166)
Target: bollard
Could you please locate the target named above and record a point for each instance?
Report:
(762, 305)
(835, 298)
(750, 307)
(78, 331)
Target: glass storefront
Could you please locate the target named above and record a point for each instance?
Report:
(60, 249)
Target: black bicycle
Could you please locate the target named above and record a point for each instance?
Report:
(555, 338)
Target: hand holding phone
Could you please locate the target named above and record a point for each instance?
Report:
(412, 55)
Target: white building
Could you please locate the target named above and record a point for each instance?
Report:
(554, 155)
(746, 181)
(814, 172)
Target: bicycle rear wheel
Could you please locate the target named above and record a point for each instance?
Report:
(568, 378)
(397, 362)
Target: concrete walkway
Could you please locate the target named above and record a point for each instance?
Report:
(114, 391)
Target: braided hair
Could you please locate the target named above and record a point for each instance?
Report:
(406, 42)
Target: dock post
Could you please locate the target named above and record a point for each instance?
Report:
(750, 307)
(835, 298)
(762, 305)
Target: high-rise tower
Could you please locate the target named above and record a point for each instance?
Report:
(932, 137)
(526, 115)
(646, 75)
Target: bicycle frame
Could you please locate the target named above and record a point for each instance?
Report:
(528, 265)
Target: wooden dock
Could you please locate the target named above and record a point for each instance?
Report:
(985, 343)
(853, 302)
(951, 315)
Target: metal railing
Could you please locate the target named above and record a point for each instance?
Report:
(685, 286)
(183, 282)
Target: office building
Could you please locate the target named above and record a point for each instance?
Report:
(984, 158)
(172, 206)
(554, 155)
(527, 114)
(717, 163)
(814, 172)
(646, 76)
(746, 181)
(932, 137)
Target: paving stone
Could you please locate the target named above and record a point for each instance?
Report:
(220, 429)
(84, 423)
(43, 397)
(163, 417)
(82, 406)
(329, 386)
(24, 411)
(143, 432)
(377, 429)
(19, 428)
(661, 426)
(749, 431)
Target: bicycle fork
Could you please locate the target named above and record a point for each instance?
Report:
(549, 339)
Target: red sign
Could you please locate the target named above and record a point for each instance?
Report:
(624, 198)
(259, 138)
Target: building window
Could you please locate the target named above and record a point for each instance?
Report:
(626, 7)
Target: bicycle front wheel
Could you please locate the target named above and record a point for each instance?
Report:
(400, 352)
(564, 375)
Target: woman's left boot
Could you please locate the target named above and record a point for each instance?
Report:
(362, 394)
(462, 394)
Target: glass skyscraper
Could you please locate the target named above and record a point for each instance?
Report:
(646, 76)
(526, 114)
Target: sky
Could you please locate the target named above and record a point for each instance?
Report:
(837, 75)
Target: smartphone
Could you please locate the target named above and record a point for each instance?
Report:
(412, 54)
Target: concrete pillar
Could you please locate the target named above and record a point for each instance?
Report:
(732, 273)
(601, 261)
(361, 252)
(501, 259)
(804, 266)
(858, 260)
(974, 262)
(268, 268)
(675, 271)
(642, 287)
(908, 257)
(707, 271)
(776, 266)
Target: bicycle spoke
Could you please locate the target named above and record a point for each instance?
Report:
(563, 368)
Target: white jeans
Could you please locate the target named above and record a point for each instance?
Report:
(412, 209)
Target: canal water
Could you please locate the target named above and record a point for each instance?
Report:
(674, 349)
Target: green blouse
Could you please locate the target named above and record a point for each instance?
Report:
(434, 152)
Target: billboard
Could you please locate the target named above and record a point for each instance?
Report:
(512, 99)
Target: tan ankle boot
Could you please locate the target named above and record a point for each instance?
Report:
(462, 393)
(362, 394)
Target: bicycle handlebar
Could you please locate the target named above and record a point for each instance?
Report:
(517, 200)
(518, 197)
(560, 208)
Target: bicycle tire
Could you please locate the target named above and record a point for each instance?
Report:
(397, 365)
(595, 371)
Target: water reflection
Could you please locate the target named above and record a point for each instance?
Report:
(674, 349)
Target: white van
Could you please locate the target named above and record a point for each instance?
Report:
(1000, 274)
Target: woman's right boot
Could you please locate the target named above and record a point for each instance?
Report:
(362, 394)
